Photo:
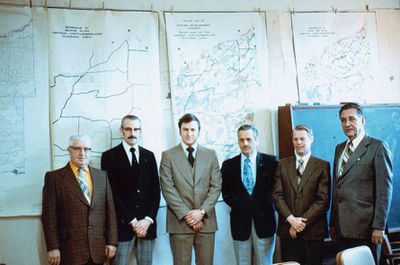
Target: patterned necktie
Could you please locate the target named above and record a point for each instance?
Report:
(300, 170)
(190, 155)
(346, 156)
(248, 179)
(83, 184)
(134, 160)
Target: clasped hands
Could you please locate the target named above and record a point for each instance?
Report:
(140, 227)
(297, 225)
(194, 219)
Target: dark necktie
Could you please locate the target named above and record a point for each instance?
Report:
(190, 156)
(134, 160)
(346, 156)
(300, 170)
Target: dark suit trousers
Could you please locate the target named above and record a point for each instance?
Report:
(305, 252)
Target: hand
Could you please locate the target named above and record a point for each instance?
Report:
(110, 252)
(332, 233)
(193, 217)
(298, 223)
(141, 227)
(197, 227)
(377, 236)
(293, 233)
(54, 257)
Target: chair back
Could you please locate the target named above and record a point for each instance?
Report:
(361, 255)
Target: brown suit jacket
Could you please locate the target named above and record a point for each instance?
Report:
(308, 199)
(186, 188)
(79, 230)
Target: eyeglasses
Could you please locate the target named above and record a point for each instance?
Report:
(77, 148)
(127, 129)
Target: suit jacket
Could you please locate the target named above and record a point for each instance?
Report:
(309, 199)
(79, 230)
(362, 195)
(136, 190)
(186, 188)
(246, 208)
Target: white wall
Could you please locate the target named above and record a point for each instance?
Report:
(21, 238)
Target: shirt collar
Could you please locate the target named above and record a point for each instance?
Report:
(75, 169)
(304, 158)
(252, 156)
(357, 140)
(194, 146)
(128, 147)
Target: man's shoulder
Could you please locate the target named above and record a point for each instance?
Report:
(319, 160)
(266, 157)
(112, 150)
(232, 160)
(145, 151)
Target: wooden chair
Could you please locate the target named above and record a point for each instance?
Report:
(389, 255)
(361, 255)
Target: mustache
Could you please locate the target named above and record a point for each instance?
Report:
(132, 137)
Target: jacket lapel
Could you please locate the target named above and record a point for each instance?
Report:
(355, 156)
(70, 182)
(338, 156)
(182, 164)
(95, 184)
(308, 172)
(199, 162)
(292, 172)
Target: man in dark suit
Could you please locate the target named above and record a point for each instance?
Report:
(301, 194)
(78, 213)
(133, 175)
(246, 187)
(191, 185)
(362, 189)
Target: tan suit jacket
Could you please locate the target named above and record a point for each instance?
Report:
(79, 230)
(308, 199)
(186, 188)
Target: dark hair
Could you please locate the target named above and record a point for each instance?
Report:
(188, 117)
(248, 127)
(303, 127)
(129, 117)
(351, 105)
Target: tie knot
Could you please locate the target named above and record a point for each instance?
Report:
(132, 150)
(247, 160)
(190, 149)
(81, 170)
(301, 162)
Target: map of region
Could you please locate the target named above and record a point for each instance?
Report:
(222, 85)
(109, 81)
(16, 83)
(336, 57)
(342, 69)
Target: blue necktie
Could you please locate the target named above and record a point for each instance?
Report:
(248, 180)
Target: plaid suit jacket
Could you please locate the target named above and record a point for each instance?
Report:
(79, 230)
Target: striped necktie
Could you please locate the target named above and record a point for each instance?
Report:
(83, 184)
(300, 170)
(346, 156)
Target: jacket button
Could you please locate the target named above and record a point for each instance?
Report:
(138, 191)
(137, 206)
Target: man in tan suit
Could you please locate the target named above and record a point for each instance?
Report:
(301, 194)
(78, 213)
(191, 184)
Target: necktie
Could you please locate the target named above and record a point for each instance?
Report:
(83, 184)
(190, 156)
(347, 153)
(300, 170)
(248, 179)
(134, 160)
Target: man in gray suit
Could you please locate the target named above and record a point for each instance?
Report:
(191, 184)
(362, 189)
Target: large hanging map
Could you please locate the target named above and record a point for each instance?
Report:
(103, 65)
(337, 57)
(24, 134)
(218, 72)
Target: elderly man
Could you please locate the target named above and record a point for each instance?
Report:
(78, 213)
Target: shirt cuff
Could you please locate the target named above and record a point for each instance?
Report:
(149, 218)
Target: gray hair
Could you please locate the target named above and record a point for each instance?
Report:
(79, 137)
(249, 127)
